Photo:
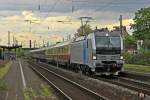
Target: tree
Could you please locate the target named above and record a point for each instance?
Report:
(84, 30)
(130, 42)
(141, 24)
(146, 43)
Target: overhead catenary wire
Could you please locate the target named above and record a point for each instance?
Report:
(54, 5)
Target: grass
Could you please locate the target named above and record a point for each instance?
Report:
(44, 93)
(28, 94)
(3, 71)
(137, 68)
(3, 85)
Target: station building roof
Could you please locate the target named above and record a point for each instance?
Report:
(10, 47)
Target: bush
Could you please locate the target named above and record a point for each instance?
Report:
(142, 58)
(128, 57)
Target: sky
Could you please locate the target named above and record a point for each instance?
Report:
(46, 18)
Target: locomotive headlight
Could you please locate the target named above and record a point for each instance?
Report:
(94, 57)
(121, 57)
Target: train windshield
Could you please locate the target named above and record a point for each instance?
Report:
(105, 41)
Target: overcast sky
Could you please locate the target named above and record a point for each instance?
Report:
(47, 13)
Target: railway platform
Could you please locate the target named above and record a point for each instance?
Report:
(19, 79)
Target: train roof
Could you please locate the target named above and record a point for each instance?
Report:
(79, 38)
(62, 43)
(41, 49)
(115, 33)
(52, 46)
(105, 33)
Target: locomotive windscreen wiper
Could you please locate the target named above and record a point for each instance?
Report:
(110, 43)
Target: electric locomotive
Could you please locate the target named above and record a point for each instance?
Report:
(99, 52)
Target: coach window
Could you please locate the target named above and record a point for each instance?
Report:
(63, 49)
(48, 51)
(54, 50)
(51, 51)
(60, 50)
(66, 50)
(57, 50)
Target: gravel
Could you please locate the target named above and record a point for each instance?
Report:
(110, 91)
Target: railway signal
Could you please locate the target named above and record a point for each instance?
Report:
(141, 95)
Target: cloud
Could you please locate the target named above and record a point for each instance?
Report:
(51, 27)
(25, 38)
(121, 6)
(56, 38)
(12, 18)
(125, 22)
(29, 16)
(55, 18)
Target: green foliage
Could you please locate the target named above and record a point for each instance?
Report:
(128, 58)
(146, 43)
(44, 93)
(27, 94)
(19, 52)
(86, 29)
(137, 68)
(142, 58)
(141, 26)
(4, 70)
(3, 85)
(130, 42)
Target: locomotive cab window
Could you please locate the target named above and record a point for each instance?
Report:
(103, 41)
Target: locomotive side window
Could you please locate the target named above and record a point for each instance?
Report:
(87, 43)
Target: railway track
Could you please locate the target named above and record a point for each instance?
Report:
(134, 85)
(132, 82)
(136, 76)
(70, 90)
